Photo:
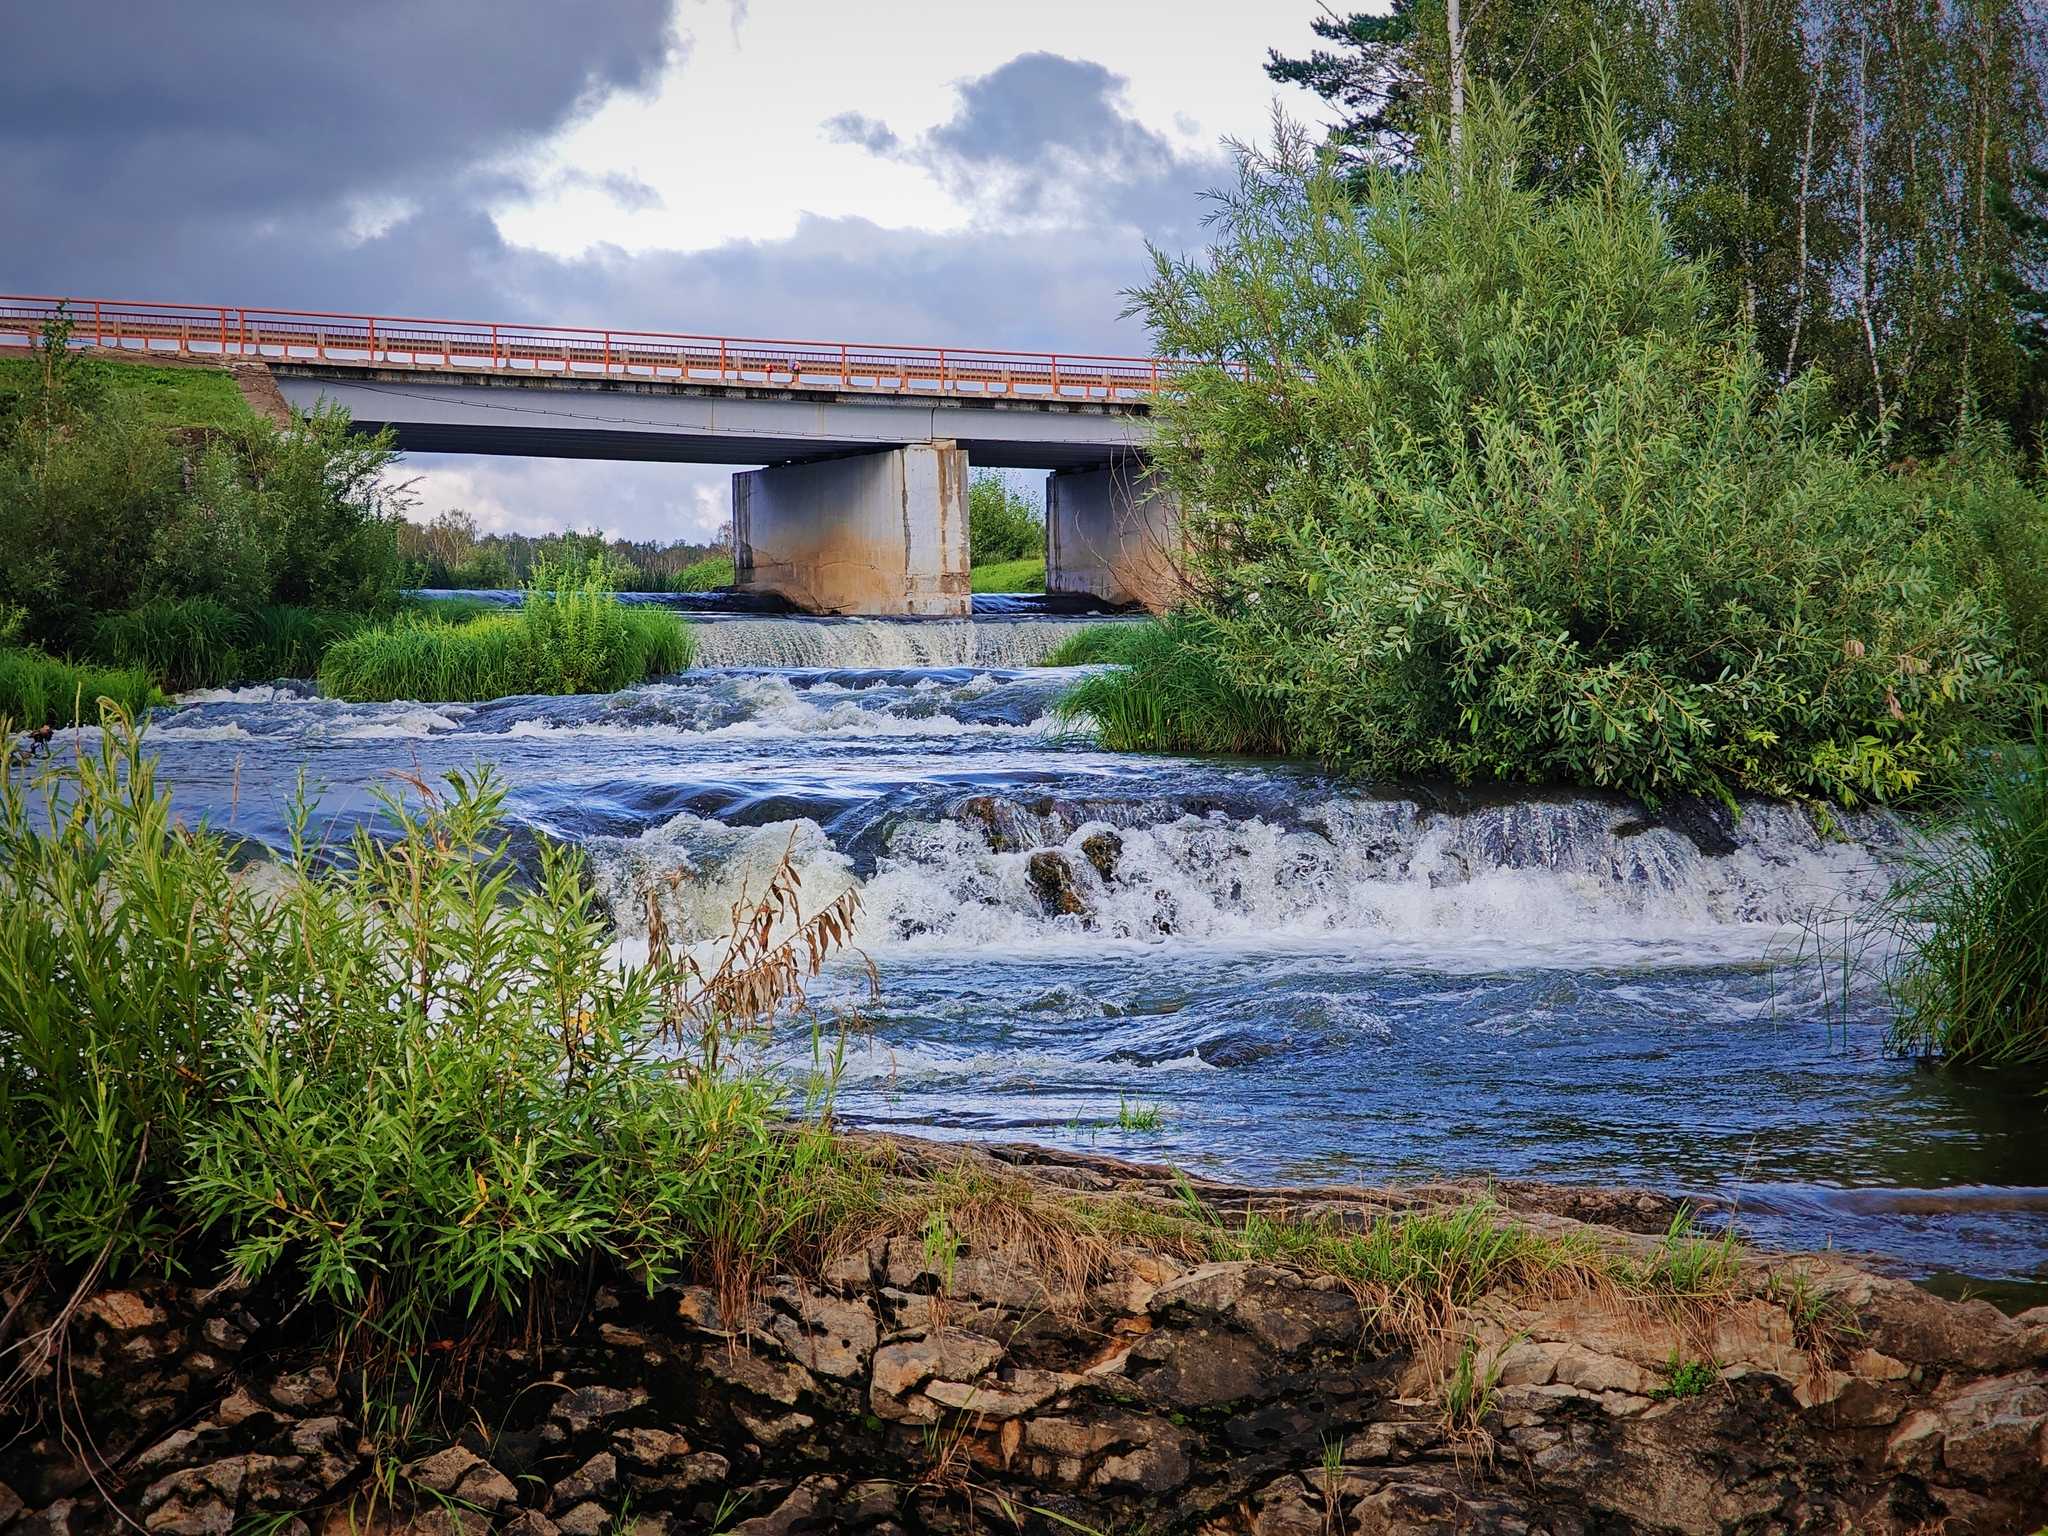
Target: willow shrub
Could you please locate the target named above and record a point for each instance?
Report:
(1477, 484)
(410, 1078)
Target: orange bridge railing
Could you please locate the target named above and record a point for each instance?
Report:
(282, 335)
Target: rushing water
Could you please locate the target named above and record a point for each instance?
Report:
(1313, 981)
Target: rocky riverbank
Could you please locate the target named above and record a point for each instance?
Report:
(988, 1373)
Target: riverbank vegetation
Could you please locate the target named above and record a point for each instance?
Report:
(570, 635)
(1969, 924)
(156, 525)
(1486, 482)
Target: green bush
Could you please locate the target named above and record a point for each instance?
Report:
(1164, 690)
(111, 502)
(412, 1079)
(1479, 486)
(38, 690)
(1001, 525)
(571, 636)
(1009, 576)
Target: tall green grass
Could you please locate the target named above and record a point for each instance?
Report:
(38, 690)
(1164, 690)
(571, 635)
(1971, 919)
(705, 576)
(396, 1072)
(197, 642)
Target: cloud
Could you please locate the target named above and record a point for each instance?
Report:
(221, 150)
(629, 192)
(876, 137)
(1046, 140)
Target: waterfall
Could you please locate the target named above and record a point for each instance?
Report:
(852, 643)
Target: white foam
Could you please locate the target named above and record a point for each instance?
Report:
(1518, 884)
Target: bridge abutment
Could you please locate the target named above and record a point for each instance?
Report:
(1112, 533)
(872, 533)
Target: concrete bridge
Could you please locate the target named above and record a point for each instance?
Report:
(862, 505)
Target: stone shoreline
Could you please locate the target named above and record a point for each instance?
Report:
(903, 1390)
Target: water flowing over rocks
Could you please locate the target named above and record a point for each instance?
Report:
(903, 1390)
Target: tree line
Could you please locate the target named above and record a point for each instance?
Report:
(1866, 181)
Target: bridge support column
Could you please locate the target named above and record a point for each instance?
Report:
(876, 533)
(1114, 534)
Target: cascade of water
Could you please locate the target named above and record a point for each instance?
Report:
(990, 872)
(880, 642)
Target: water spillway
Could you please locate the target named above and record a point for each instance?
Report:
(1314, 980)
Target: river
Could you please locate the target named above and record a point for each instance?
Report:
(1309, 980)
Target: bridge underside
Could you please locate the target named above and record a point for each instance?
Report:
(566, 418)
(862, 507)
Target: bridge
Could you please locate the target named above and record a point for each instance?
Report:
(862, 504)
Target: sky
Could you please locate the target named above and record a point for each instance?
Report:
(983, 174)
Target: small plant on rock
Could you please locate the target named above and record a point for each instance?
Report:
(1687, 1378)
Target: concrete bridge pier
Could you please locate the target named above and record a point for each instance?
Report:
(1112, 533)
(871, 533)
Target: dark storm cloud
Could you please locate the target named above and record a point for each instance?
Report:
(246, 151)
(1046, 139)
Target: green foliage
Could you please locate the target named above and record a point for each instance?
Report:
(38, 690)
(1687, 1378)
(411, 1078)
(1138, 1117)
(197, 642)
(1002, 525)
(572, 635)
(1167, 690)
(128, 521)
(1867, 189)
(1970, 925)
(707, 575)
(451, 551)
(1009, 576)
(1487, 491)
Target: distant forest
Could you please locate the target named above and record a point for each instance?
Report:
(450, 552)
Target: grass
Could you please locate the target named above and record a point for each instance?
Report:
(1687, 1378)
(563, 639)
(1138, 1117)
(1164, 690)
(38, 690)
(196, 642)
(165, 396)
(705, 576)
(1970, 985)
(1026, 575)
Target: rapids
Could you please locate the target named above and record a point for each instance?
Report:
(1311, 979)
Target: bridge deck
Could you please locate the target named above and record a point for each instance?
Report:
(569, 351)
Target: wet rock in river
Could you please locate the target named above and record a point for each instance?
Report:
(1103, 850)
(1053, 882)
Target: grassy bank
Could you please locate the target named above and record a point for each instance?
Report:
(1026, 575)
(562, 639)
(1970, 925)
(38, 690)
